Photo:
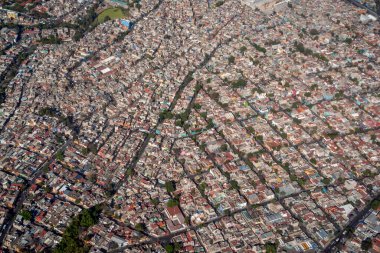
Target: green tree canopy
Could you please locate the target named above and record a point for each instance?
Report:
(26, 214)
(170, 186)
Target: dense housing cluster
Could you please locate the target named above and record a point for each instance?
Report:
(211, 126)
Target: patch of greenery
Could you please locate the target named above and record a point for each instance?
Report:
(224, 147)
(240, 83)
(111, 14)
(172, 203)
(219, 3)
(86, 23)
(166, 114)
(272, 42)
(243, 49)
(26, 214)
(140, 227)
(48, 111)
(375, 204)
(3, 95)
(366, 244)
(231, 60)
(308, 52)
(60, 156)
(348, 40)
(71, 241)
(16, 7)
(326, 181)
(314, 32)
(172, 247)
(155, 201)
(234, 185)
(259, 48)
(170, 186)
(197, 106)
(271, 247)
(332, 134)
(202, 188)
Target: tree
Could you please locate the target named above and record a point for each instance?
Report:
(197, 106)
(45, 169)
(332, 134)
(377, 6)
(301, 181)
(86, 219)
(26, 214)
(293, 177)
(326, 181)
(93, 178)
(270, 247)
(48, 111)
(203, 114)
(107, 18)
(3, 95)
(297, 121)
(366, 244)
(59, 138)
(219, 3)
(260, 138)
(78, 35)
(231, 60)
(60, 156)
(210, 124)
(169, 248)
(243, 49)
(172, 247)
(368, 173)
(140, 227)
(130, 171)
(113, 245)
(259, 48)
(348, 40)
(84, 151)
(375, 204)
(48, 189)
(251, 130)
(166, 115)
(155, 201)
(170, 186)
(172, 203)
(255, 206)
(93, 148)
(314, 31)
(70, 240)
(224, 147)
(17, 7)
(234, 185)
(202, 188)
(239, 83)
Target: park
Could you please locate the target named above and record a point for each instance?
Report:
(111, 14)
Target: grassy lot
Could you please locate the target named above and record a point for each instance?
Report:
(112, 13)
